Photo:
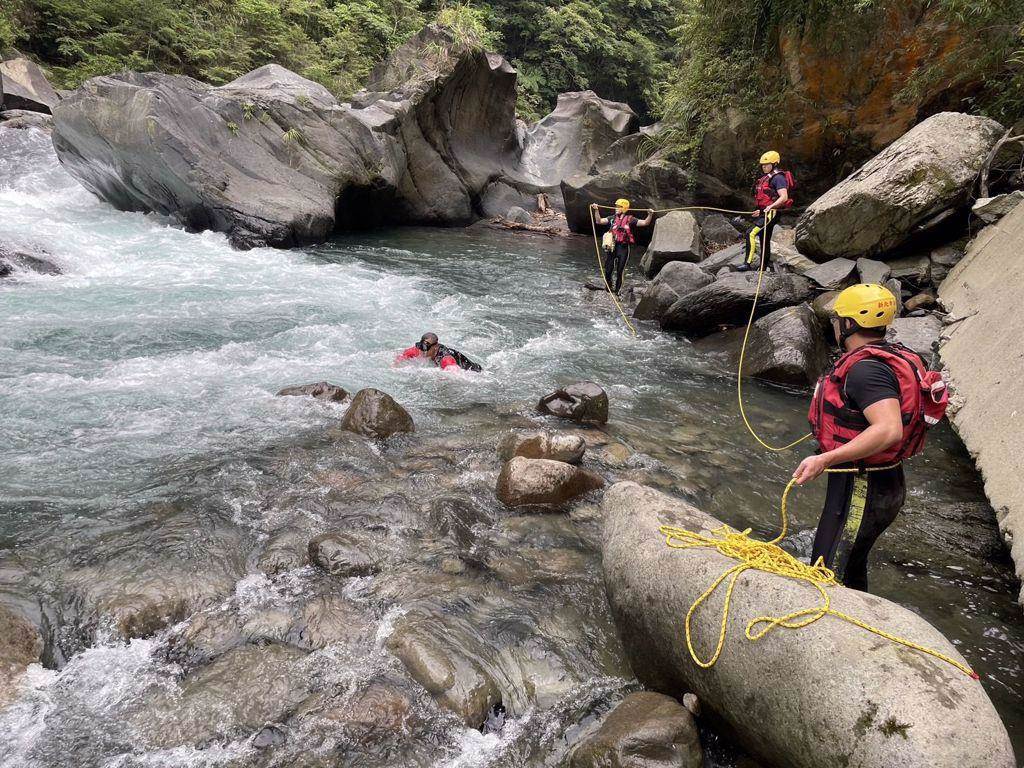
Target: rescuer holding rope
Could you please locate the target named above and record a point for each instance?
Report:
(622, 226)
(772, 192)
(869, 412)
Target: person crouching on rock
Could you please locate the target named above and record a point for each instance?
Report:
(772, 192)
(869, 412)
(622, 226)
(444, 357)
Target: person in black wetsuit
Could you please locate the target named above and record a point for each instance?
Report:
(444, 357)
(622, 226)
(864, 415)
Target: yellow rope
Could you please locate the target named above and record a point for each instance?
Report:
(769, 557)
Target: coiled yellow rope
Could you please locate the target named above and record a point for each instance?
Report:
(769, 557)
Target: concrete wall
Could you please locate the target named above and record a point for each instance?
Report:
(984, 356)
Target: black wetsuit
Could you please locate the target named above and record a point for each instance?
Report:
(461, 360)
(615, 259)
(859, 507)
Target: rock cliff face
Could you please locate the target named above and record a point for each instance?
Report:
(983, 358)
(843, 102)
(273, 159)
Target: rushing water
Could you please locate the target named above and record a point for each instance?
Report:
(146, 458)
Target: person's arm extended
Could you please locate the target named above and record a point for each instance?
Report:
(597, 216)
(408, 354)
(885, 428)
(646, 222)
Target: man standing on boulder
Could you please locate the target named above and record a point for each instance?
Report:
(771, 193)
(869, 413)
(622, 231)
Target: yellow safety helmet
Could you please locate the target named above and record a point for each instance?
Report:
(869, 305)
(771, 157)
(622, 204)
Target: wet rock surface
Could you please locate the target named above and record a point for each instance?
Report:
(344, 554)
(541, 482)
(321, 390)
(645, 730)
(583, 402)
(15, 260)
(376, 414)
(20, 645)
(542, 445)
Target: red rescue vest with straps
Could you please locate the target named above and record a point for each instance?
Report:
(622, 228)
(923, 400)
(765, 194)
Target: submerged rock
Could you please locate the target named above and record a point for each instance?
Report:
(345, 554)
(20, 645)
(321, 390)
(376, 414)
(645, 730)
(26, 87)
(13, 260)
(542, 445)
(891, 705)
(677, 237)
(728, 300)
(584, 402)
(541, 482)
(675, 280)
(928, 170)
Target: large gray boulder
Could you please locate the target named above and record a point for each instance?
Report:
(542, 482)
(728, 300)
(729, 258)
(872, 271)
(652, 183)
(645, 730)
(675, 280)
(26, 87)
(786, 346)
(781, 695)
(272, 159)
(928, 170)
(376, 414)
(573, 136)
(676, 238)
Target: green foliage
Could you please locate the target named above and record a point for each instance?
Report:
(293, 136)
(233, 127)
(468, 25)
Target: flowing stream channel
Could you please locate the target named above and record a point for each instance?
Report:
(147, 461)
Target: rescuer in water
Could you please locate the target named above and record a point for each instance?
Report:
(623, 225)
(444, 357)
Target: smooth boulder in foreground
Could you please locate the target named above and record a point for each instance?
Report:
(542, 445)
(828, 694)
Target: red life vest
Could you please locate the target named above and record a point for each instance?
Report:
(923, 399)
(765, 194)
(622, 228)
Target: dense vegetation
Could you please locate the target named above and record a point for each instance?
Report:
(622, 50)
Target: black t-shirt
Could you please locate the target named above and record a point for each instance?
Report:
(778, 181)
(869, 381)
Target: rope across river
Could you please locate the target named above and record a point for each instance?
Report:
(753, 554)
